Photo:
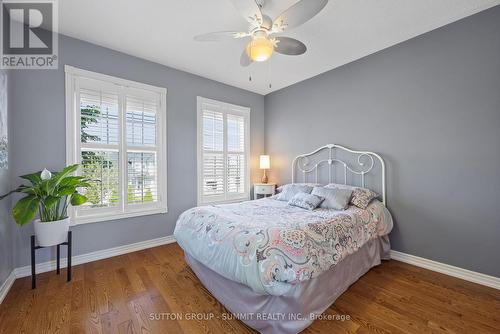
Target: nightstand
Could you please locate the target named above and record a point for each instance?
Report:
(263, 189)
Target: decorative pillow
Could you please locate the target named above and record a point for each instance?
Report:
(306, 201)
(289, 190)
(361, 197)
(280, 188)
(335, 198)
(340, 186)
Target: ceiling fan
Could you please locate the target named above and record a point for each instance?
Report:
(262, 29)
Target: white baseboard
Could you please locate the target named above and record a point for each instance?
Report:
(94, 256)
(468, 275)
(80, 259)
(7, 284)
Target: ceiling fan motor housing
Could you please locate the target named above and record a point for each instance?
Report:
(266, 24)
(259, 33)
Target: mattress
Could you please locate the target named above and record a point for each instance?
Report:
(270, 246)
(303, 303)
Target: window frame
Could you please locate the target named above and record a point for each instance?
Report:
(124, 88)
(225, 108)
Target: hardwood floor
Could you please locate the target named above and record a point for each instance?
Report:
(117, 295)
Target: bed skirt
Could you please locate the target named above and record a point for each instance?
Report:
(294, 311)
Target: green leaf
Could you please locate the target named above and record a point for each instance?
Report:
(77, 199)
(72, 181)
(65, 172)
(34, 178)
(21, 188)
(50, 201)
(66, 191)
(46, 187)
(25, 209)
(28, 190)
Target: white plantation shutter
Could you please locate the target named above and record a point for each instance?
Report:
(236, 164)
(117, 133)
(213, 151)
(99, 149)
(102, 167)
(142, 180)
(213, 174)
(213, 130)
(99, 116)
(223, 150)
(141, 121)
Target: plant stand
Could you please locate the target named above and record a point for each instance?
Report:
(33, 260)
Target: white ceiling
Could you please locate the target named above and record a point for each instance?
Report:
(162, 31)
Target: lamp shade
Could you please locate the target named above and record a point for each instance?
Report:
(260, 49)
(265, 162)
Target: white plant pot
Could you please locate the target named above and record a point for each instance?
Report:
(51, 233)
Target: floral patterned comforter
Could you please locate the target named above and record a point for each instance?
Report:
(270, 246)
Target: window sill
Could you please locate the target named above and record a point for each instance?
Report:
(231, 201)
(115, 216)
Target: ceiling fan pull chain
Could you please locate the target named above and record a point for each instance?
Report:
(269, 73)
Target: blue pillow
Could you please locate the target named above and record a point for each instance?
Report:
(290, 190)
(335, 198)
(306, 201)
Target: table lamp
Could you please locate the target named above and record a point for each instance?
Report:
(265, 163)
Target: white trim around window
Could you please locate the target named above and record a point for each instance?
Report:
(227, 181)
(146, 155)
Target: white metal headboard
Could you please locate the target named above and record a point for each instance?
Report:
(364, 159)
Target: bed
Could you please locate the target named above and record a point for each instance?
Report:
(277, 267)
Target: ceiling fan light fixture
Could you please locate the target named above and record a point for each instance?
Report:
(260, 49)
(262, 29)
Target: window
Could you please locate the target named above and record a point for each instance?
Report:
(223, 152)
(116, 131)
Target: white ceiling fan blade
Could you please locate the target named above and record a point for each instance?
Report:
(249, 10)
(220, 36)
(298, 14)
(289, 46)
(245, 59)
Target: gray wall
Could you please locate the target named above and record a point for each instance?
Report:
(38, 136)
(6, 227)
(431, 108)
(6, 224)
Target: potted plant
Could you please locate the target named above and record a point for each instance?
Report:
(50, 194)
